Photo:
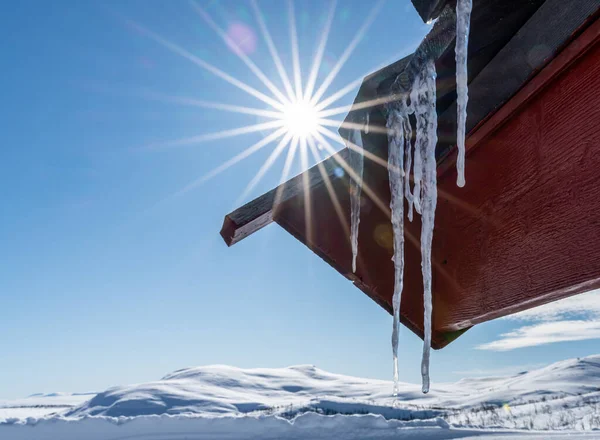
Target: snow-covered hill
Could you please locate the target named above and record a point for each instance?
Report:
(222, 400)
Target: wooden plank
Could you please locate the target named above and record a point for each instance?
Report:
(261, 211)
(532, 235)
(493, 24)
(545, 34)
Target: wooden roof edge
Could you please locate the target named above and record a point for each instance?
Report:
(547, 32)
(397, 77)
(258, 213)
(584, 36)
(262, 211)
(555, 295)
(439, 340)
(430, 9)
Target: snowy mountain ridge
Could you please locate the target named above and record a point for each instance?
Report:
(562, 396)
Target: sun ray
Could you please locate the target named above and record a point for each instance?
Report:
(347, 52)
(295, 50)
(353, 125)
(348, 169)
(336, 138)
(239, 52)
(307, 190)
(461, 204)
(235, 159)
(285, 173)
(358, 106)
(330, 190)
(273, 50)
(214, 136)
(312, 78)
(184, 100)
(265, 167)
(324, 103)
(207, 66)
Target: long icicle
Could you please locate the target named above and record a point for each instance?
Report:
(357, 159)
(425, 112)
(408, 159)
(396, 170)
(463, 20)
(420, 83)
(417, 154)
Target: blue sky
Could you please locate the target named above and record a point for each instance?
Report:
(110, 275)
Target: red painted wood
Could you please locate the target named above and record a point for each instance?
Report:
(524, 231)
(531, 233)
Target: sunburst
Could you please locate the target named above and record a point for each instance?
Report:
(298, 116)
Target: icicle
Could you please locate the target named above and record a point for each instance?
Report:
(463, 19)
(417, 154)
(357, 158)
(367, 125)
(408, 161)
(426, 116)
(424, 168)
(396, 128)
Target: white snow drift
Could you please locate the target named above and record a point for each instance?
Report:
(306, 402)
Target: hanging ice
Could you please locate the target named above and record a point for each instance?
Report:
(367, 124)
(418, 82)
(425, 113)
(408, 160)
(418, 153)
(463, 20)
(357, 164)
(395, 126)
(423, 105)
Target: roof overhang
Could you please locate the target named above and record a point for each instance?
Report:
(516, 49)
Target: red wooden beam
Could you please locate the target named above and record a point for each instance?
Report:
(528, 232)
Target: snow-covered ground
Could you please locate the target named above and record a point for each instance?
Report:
(304, 402)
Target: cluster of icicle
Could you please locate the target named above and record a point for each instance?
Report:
(402, 156)
(423, 196)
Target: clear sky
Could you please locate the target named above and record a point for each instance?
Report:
(111, 274)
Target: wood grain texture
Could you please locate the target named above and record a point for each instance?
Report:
(531, 230)
(545, 34)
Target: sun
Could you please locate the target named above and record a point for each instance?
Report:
(300, 119)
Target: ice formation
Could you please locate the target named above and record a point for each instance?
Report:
(463, 20)
(396, 171)
(399, 141)
(402, 156)
(426, 116)
(424, 195)
(357, 159)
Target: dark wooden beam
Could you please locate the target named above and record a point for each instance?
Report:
(544, 35)
(262, 211)
(430, 9)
